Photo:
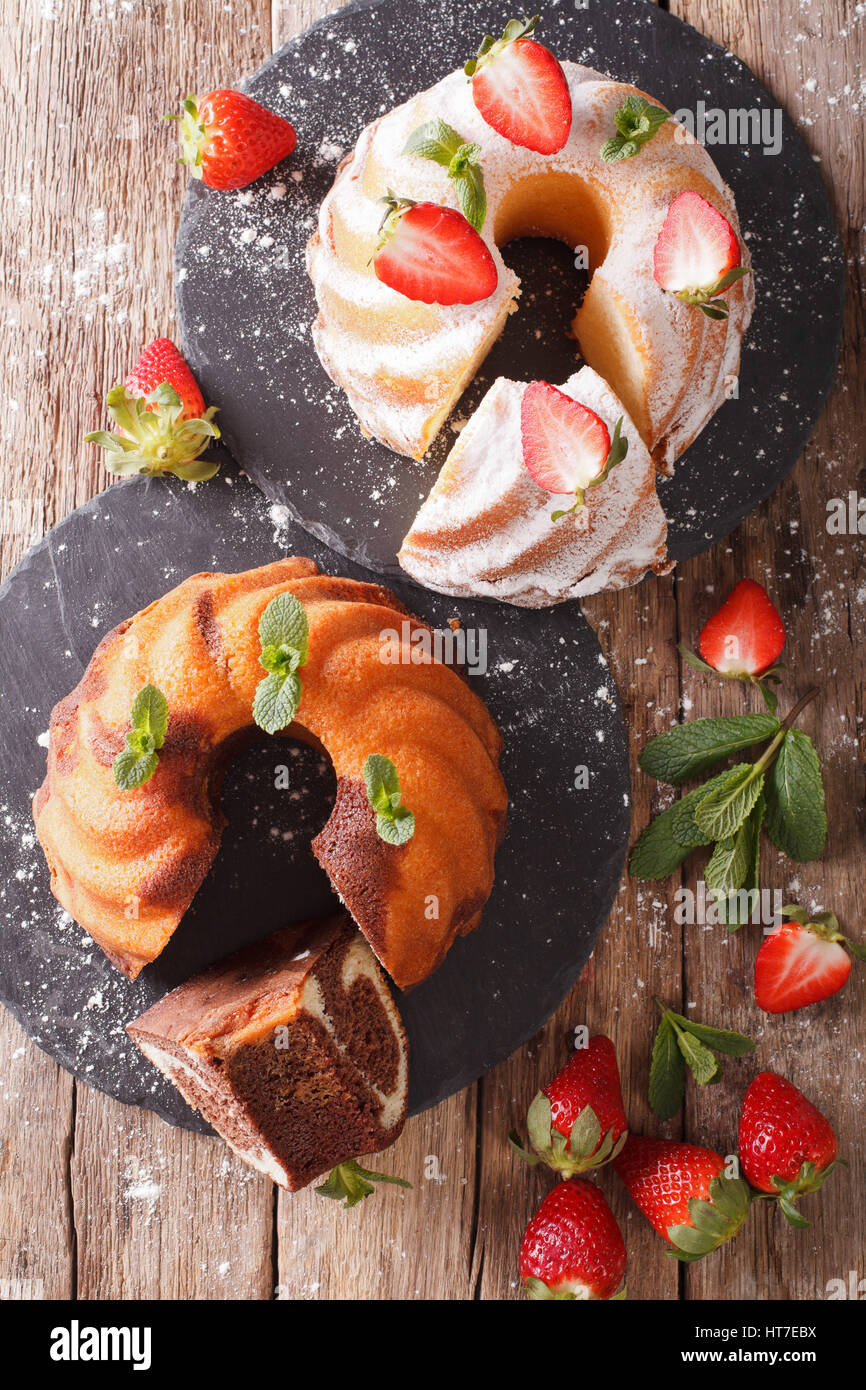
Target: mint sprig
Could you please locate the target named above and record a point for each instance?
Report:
(440, 142)
(681, 1043)
(781, 792)
(615, 455)
(284, 635)
(349, 1183)
(636, 121)
(395, 823)
(137, 762)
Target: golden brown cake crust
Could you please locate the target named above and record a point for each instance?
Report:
(126, 864)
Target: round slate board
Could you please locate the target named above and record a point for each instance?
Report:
(246, 303)
(556, 873)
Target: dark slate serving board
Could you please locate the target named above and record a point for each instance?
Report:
(246, 304)
(556, 873)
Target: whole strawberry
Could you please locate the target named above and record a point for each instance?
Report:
(787, 1147)
(162, 424)
(743, 640)
(577, 1122)
(803, 961)
(573, 1248)
(227, 140)
(683, 1192)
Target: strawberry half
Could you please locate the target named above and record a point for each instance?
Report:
(743, 640)
(787, 1147)
(578, 1122)
(572, 1248)
(697, 254)
(162, 424)
(520, 89)
(683, 1192)
(432, 254)
(803, 961)
(566, 446)
(227, 140)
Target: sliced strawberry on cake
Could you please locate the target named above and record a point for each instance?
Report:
(697, 254)
(803, 961)
(520, 89)
(432, 254)
(566, 446)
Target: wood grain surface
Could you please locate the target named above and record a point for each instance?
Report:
(101, 1201)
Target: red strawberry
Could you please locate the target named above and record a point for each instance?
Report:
(162, 424)
(803, 961)
(787, 1147)
(161, 362)
(743, 640)
(578, 1121)
(431, 253)
(520, 89)
(697, 254)
(683, 1192)
(566, 446)
(228, 140)
(573, 1248)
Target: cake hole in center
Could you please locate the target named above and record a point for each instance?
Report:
(276, 797)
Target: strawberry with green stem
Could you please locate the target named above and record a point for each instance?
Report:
(787, 1148)
(697, 254)
(567, 448)
(520, 89)
(162, 423)
(577, 1122)
(432, 254)
(683, 1191)
(803, 960)
(228, 140)
(743, 640)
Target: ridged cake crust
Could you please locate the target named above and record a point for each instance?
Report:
(292, 1049)
(127, 864)
(403, 365)
(486, 528)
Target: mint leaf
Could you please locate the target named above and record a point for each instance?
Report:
(137, 762)
(719, 1039)
(636, 121)
(440, 142)
(435, 140)
(686, 830)
(284, 624)
(796, 819)
(722, 811)
(276, 702)
(688, 750)
(700, 1060)
(735, 905)
(667, 1080)
(284, 636)
(395, 823)
(658, 852)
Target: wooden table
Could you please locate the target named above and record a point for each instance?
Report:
(102, 1201)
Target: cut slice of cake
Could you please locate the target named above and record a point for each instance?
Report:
(487, 530)
(292, 1049)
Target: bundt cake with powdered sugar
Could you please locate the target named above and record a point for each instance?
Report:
(292, 1049)
(127, 860)
(404, 363)
(486, 527)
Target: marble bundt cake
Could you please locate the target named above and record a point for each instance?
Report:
(404, 364)
(486, 527)
(292, 1049)
(127, 864)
